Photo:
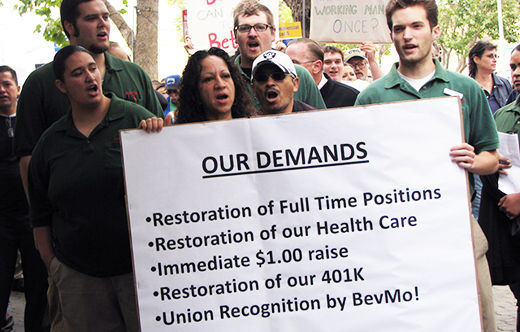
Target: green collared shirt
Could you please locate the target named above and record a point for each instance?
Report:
(507, 118)
(479, 127)
(76, 187)
(308, 91)
(41, 103)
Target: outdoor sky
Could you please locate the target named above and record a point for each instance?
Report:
(22, 48)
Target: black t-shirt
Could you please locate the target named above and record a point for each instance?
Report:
(13, 204)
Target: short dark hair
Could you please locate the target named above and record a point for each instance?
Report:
(69, 12)
(430, 6)
(11, 70)
(476, 51)
(334, 49)
(517, 48)
(251, 7)
(61, 57)
(314, 48)
(191, 108)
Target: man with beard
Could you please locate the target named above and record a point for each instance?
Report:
(86, 23)
(275, 81)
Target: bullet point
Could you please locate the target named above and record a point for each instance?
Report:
(153, 269)
(158, 318)
(155, 293)
(148, 219)
(150, 244)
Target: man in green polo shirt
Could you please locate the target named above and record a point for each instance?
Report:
(255, 33)
(86, 23)
(414, 28)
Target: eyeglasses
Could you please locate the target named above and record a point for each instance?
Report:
(172, 91)
(263, 77)
(259, 27)
(360, 64)
(302, 63)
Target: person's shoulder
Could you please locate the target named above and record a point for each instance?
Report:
(500, 78)
(462, 80)
(119, 64)
(303, 73)
(299, 106)
(43, 74)
(127, 108)
(373, 93)
(343, 87)
(59, 125)
(505, 110)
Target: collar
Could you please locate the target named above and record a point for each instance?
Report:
(497, 80)
(112, 63)
(114, 113)
(395, 79)
(324, 78)
(515, 109)
(237, 62)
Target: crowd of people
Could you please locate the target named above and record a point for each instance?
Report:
(63, 206)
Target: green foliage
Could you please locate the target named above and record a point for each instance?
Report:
(463, 22)
(285, 13)
(49, 11)
(177, 20)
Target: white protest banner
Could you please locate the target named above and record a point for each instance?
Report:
(210, 23)
(348, 219)
(349, 21)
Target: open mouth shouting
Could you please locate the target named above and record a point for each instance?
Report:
(253, 45)
(222, 98)
(102, 35)
(271, 95)
(409, 48)
(93, 89)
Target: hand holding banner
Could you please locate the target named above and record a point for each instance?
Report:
(319, 221)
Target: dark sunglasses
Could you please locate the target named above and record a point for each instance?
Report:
(263, 77)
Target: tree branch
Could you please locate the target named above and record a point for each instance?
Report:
(119, 21)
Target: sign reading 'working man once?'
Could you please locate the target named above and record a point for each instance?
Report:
(353, 21)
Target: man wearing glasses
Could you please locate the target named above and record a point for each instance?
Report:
(275, 81)
(255, 32)
(360, 59)
(309, 54)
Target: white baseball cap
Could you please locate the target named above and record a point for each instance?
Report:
(354, 53)
(277, 58)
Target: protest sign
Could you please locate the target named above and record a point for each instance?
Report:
(352, 21)
(290, 31)
(210, 23)
(348, 219)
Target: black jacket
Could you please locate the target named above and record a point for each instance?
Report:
(336, 94)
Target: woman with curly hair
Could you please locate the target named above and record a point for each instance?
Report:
(212, 89)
